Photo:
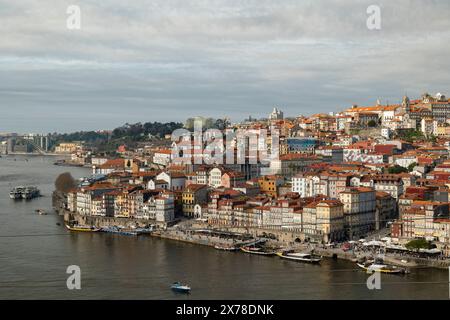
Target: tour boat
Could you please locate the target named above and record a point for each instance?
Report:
(298, 256)
(121, 231)
(16, 193)
(258, 250)
(178, 287)
(30, 193)
(27, 193)
(379, 266)
(82, 228)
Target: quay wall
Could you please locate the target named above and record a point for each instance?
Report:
(101, 221)
(284, 238)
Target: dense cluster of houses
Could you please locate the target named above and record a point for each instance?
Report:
(330, 181)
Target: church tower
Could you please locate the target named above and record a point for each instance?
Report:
(406, 105)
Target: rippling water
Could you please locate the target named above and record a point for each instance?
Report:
(35, 252)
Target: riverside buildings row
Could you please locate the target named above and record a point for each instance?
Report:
(334, 177)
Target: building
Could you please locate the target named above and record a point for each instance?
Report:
(67, 148)
(194, 194)
(162, 157)
(276, 114)
(269, 185)
(392, 184)
(323, 221)
(165, 207)
(359, 211)
(386, 209)
(215, 177)
(232, 179)
(290, 164)
(175, 181)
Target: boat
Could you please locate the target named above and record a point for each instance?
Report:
(258, 250)
(299, 256)
(82, 228)
(30, 193)
(148, 230)
(121, 231)
(26, 193)
(225, 248)
(41, 212)
(379, 266)
(16, 193)
(178, 287)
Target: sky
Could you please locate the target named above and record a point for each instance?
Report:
(167, 60)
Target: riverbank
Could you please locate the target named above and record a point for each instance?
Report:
(194, 233)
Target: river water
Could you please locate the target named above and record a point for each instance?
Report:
(35, 253)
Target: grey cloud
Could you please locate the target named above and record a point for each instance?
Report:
(166, 60)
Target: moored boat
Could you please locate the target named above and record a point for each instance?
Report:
(82, 228)
(122, 231)
(225, 248)
(258, 250)
(380, 266)
(299, 256)
(179, 287)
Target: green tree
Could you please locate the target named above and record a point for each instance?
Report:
(417, 244)
(372, 123)
(397, 169)
(412, 166)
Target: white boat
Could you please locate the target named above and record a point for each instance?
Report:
(225, 248)
(258, 250)
(16, 193)
(30, 193)
(179, 287)
(378, 266)
(298, 256)
(27, 193)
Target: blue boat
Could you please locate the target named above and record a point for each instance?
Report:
(178, 287)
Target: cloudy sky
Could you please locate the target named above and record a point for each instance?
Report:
(163, 60)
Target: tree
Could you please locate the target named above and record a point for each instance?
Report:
(412, 166)
(372, 123)
(397, 169)
(417, 244)
(65, 182)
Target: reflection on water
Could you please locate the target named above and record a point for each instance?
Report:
(35, 252)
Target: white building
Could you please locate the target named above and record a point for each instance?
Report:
(215, 177)
(276, 114)
(162, 157)
(175, 181)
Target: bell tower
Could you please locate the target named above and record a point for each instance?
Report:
(406, 104)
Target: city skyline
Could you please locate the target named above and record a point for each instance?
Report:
(170, 60)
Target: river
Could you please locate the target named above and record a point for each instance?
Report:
(35, 253)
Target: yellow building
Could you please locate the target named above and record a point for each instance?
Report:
(192, 195)
(269, 184)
